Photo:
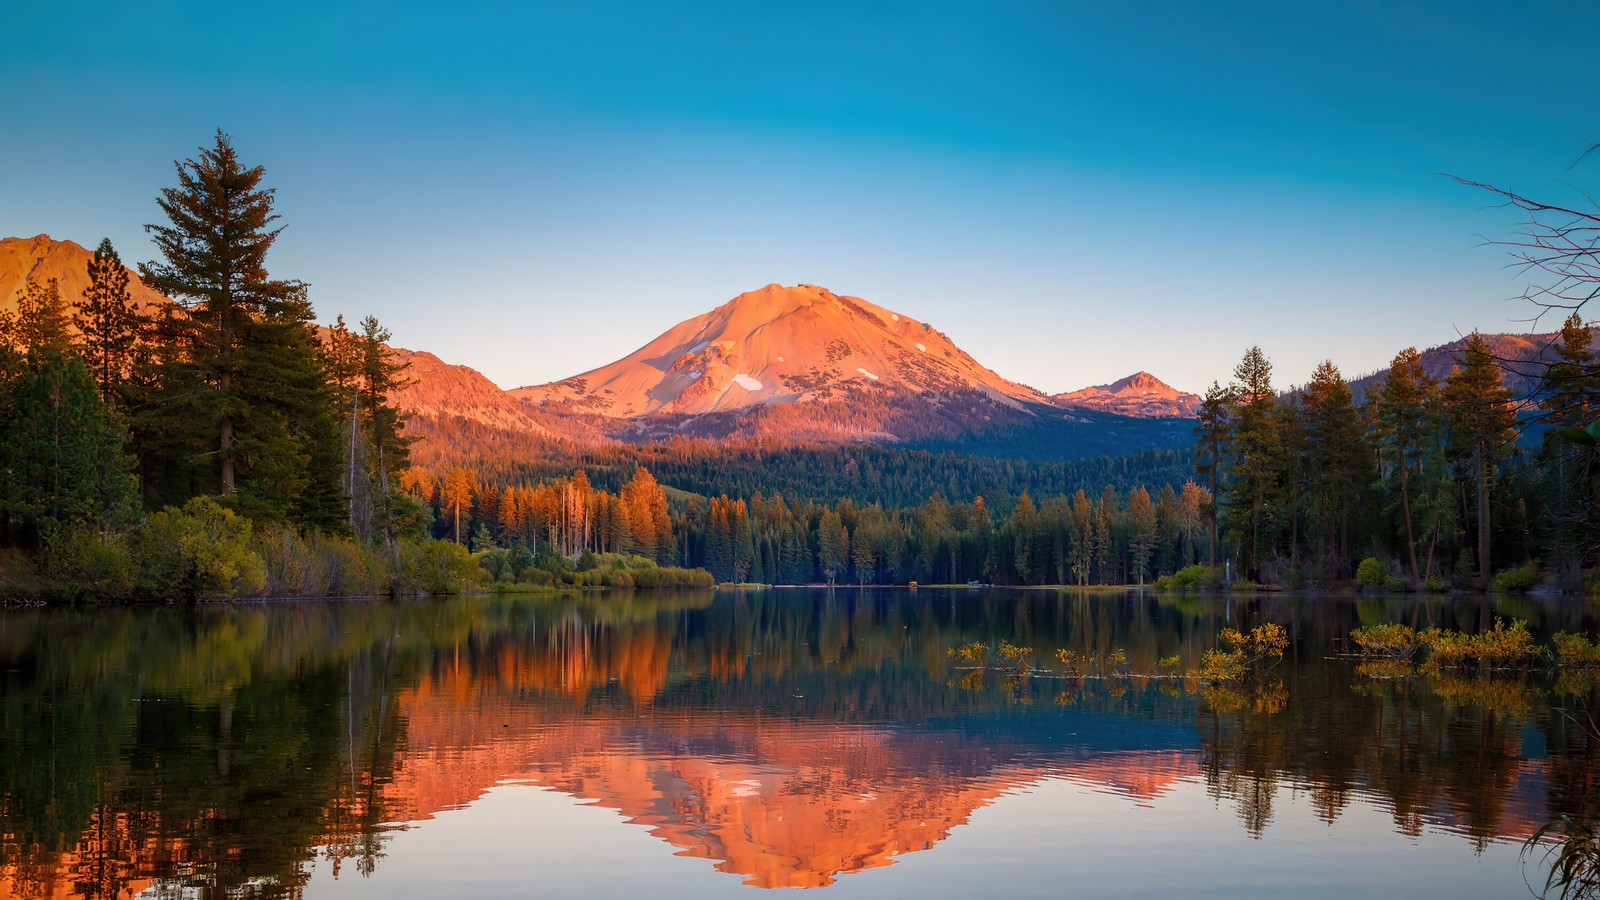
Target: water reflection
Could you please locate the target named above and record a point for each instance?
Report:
(786, 736)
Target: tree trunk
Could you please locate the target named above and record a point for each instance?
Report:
(1483, 518)
(1405, 516)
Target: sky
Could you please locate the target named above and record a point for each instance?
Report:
(1071, 191)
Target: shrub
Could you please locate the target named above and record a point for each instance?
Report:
(1518, 579)
(1186, 578)
(974, 653)
(434, 567)
(1016, 657)
(1500, 647)
(1245, 654)
(1396, 584)
(84, 562)
(1575, 651)
(1391, 642)
(1372, 571)
(200, 551)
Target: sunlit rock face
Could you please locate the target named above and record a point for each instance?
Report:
(41, 258)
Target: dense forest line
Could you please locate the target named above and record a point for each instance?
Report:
(1426, 479)
(866, 473)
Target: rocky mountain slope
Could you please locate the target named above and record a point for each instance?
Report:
(41, 258)
(780, 345)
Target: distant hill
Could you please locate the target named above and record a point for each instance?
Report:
(1523, 359)
(1140, 394)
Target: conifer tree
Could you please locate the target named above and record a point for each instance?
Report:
(107, 320)
(1404, 421)
(1250, 460)
(1337, 460)
(254, 409)
(64, 449)
(41, 324)
(1142, 532)
(1481, 429)
(1211, 428)
(833, 546)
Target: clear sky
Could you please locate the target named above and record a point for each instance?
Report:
(1071, 191)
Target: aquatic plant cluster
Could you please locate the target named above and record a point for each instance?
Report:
(1503, 647)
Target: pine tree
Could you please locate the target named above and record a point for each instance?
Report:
(261, 422)
(1211, 428)
(1481, 429)
(1142, 532)
(107, 321)
(1404, 424)
(64, 448)
(1338, 461)
(1250, 488)
(833, 546)
(41, 324)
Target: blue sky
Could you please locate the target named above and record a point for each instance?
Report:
(1071, 191)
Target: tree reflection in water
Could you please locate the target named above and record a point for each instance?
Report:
(787, 735)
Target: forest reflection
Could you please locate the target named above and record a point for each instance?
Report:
(787, 736)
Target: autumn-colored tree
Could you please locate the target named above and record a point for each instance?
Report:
(456, 493)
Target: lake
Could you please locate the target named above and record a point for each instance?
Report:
(724, 744)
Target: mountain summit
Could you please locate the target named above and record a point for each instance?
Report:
(780, 345)
(1140, 394)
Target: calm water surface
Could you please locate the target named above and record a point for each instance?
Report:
(694, 745)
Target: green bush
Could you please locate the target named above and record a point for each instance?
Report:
(198, 552)
(1519, 579)
(434, 567)
(83, 563)
(1372, 571)
(1397, 584)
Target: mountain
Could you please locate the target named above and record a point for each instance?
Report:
(439, 390)
(41, 258)
(1523, 359)
(1140, 394)
(803, 363)
(779, 345)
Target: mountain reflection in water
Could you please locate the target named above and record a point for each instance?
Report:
(787, 736)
